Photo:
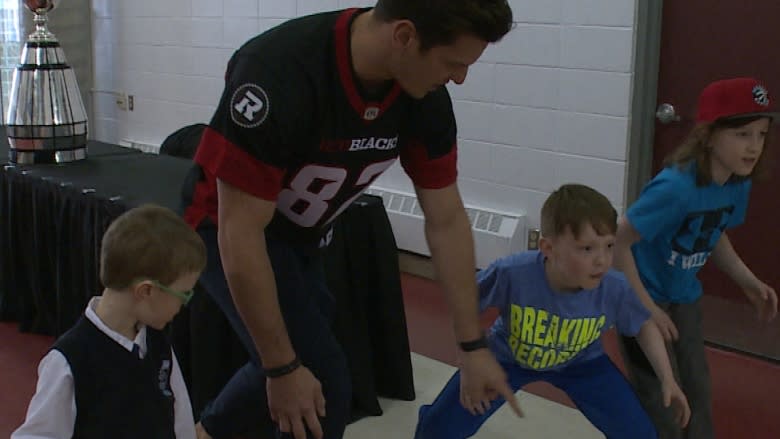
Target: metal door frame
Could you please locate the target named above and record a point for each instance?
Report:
(647, 55)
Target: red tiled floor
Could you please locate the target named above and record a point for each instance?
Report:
(19, 357)
(746, 391)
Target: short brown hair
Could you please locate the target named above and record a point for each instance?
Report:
(695, 149)
(441, 22)
(149, 242)
(574, 206)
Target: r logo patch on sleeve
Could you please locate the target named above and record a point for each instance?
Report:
(249, 106)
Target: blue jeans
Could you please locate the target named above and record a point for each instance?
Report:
(597, 388)
(241, 408)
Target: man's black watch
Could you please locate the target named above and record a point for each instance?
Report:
(473, 345)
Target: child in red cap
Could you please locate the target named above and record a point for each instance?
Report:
(677, 224)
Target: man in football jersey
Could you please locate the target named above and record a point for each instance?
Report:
(313, 111)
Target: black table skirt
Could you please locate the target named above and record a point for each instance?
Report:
(54, 215)
(54, 218)
(25, 230)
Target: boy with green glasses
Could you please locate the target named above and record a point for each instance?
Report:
(114, 374)
(185, 296)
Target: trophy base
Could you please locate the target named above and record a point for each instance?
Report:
(39, 157)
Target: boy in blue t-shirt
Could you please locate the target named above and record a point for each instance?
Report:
(555, 303)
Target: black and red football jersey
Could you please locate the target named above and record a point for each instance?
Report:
(294, 126)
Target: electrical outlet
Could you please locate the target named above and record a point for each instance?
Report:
(130, 102)
(122, 101)
(533, 239)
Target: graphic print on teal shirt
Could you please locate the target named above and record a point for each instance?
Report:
(697, 236)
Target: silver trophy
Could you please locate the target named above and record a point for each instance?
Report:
(46, 119)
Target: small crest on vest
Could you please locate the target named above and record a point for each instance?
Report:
(164, 378)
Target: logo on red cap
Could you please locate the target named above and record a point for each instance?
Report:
(760, 95)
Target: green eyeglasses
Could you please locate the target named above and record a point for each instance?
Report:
(185, 296)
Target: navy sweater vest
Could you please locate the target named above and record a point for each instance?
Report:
(119, 395)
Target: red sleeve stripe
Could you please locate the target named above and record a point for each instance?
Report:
(429, 173)
(233, 165)
(204, 203)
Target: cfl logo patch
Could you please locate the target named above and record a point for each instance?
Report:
(249, 106)
(761, 96)
(370, 113)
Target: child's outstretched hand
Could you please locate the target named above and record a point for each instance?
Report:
(664, 322)
(763, 298)
(675, 398)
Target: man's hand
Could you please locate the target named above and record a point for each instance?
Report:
(675, 397)
(295, 400)
(482, 380)
(664, 323)
(763, 298)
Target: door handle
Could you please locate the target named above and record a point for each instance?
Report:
(666, 114)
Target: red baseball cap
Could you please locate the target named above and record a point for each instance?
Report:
(737, 97)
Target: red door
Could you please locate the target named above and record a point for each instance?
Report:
(706, 40)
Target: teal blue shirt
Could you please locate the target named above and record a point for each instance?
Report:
(680, 223)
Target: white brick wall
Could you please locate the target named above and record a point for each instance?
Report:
(547, 105)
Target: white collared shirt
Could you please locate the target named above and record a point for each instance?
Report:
(52, 410)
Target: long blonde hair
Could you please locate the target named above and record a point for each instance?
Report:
(695, 149)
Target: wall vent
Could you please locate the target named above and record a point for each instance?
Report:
(496, 234)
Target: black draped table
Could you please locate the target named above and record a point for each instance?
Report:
(53, 217)
(31, 199)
